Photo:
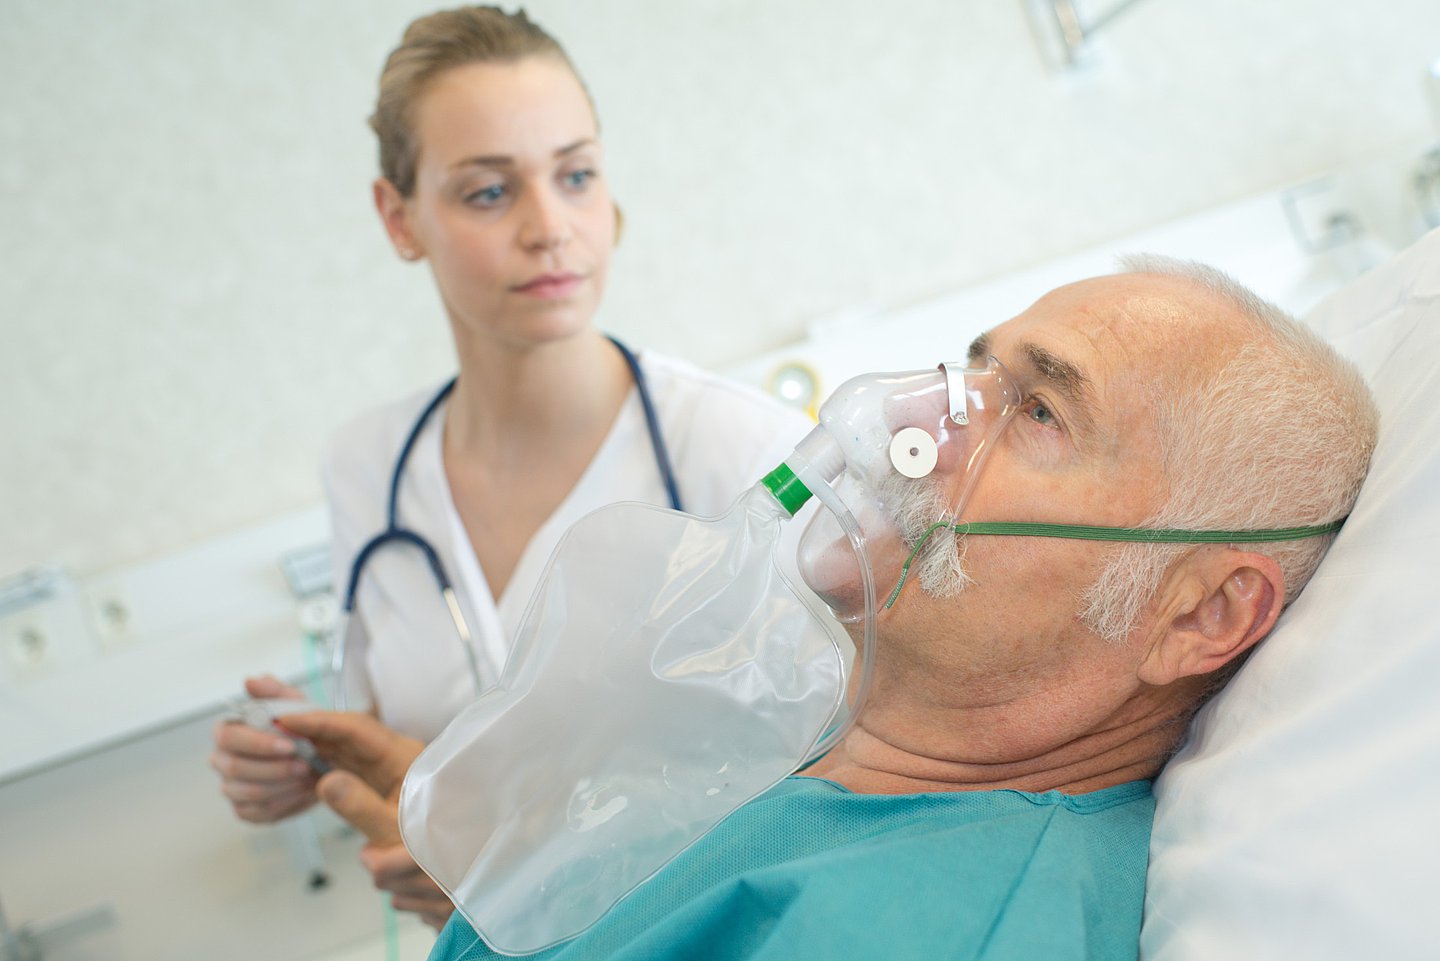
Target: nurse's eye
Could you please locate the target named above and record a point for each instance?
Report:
(578, 180)
(486, 197)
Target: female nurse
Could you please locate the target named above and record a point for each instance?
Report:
(492, 173)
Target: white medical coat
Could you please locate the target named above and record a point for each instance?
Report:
(722, 438)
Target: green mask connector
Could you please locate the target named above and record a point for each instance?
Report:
(787, 489)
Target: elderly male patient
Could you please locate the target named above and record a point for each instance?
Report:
(993, 799)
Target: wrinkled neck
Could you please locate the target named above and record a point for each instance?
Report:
(1021, 745)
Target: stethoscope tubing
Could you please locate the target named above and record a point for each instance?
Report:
(394, 533)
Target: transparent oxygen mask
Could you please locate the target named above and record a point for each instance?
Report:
(914, 445)
(670, 668)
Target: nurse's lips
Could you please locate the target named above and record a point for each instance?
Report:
(550, 286)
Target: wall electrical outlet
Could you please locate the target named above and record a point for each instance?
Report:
(42, 624)
(25, 642)
(112, 620)
(111, 611)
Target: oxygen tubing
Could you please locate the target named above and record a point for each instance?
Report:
(810, 470)
(866, 654)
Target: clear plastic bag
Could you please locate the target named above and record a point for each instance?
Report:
(665, 672)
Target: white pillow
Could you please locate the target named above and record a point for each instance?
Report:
(1300, 820)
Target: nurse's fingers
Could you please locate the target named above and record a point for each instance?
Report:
(270, 686)
(240, 768)
(361, 806)
(437, 921)
(259, 773)
(411, 889)
(234, 737)
(274, 807)
(393, 869)
(358, 743)
(432, 913)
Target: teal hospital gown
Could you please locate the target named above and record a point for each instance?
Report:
(811, 870)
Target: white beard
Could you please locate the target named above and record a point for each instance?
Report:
(916, 505)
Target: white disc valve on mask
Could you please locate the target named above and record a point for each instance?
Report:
(913, 452)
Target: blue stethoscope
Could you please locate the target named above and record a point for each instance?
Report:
(394, 533)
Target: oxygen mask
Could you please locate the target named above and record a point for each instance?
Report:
(913, 445)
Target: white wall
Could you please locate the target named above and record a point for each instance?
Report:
(195, 292)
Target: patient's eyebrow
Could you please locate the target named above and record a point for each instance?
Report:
(1064, 377)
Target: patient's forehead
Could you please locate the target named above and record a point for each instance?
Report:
(1131, 340)
(1127, 325)
(1137, 306)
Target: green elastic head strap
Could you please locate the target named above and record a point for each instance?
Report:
(1138, 535)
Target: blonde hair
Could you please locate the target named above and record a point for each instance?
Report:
(1280, 437)
(433, 44)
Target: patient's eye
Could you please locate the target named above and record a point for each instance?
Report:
(1039, 412)
(1041, 435)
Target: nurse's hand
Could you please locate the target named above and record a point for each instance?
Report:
(392, 869)
(358, 743)
(370, 762)
(260, 773)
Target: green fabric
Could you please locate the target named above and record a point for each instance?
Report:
(810, 870)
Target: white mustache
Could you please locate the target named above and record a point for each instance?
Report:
(916, 505)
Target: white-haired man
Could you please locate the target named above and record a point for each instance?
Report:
(993, 798)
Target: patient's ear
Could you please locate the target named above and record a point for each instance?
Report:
(1214, 607)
